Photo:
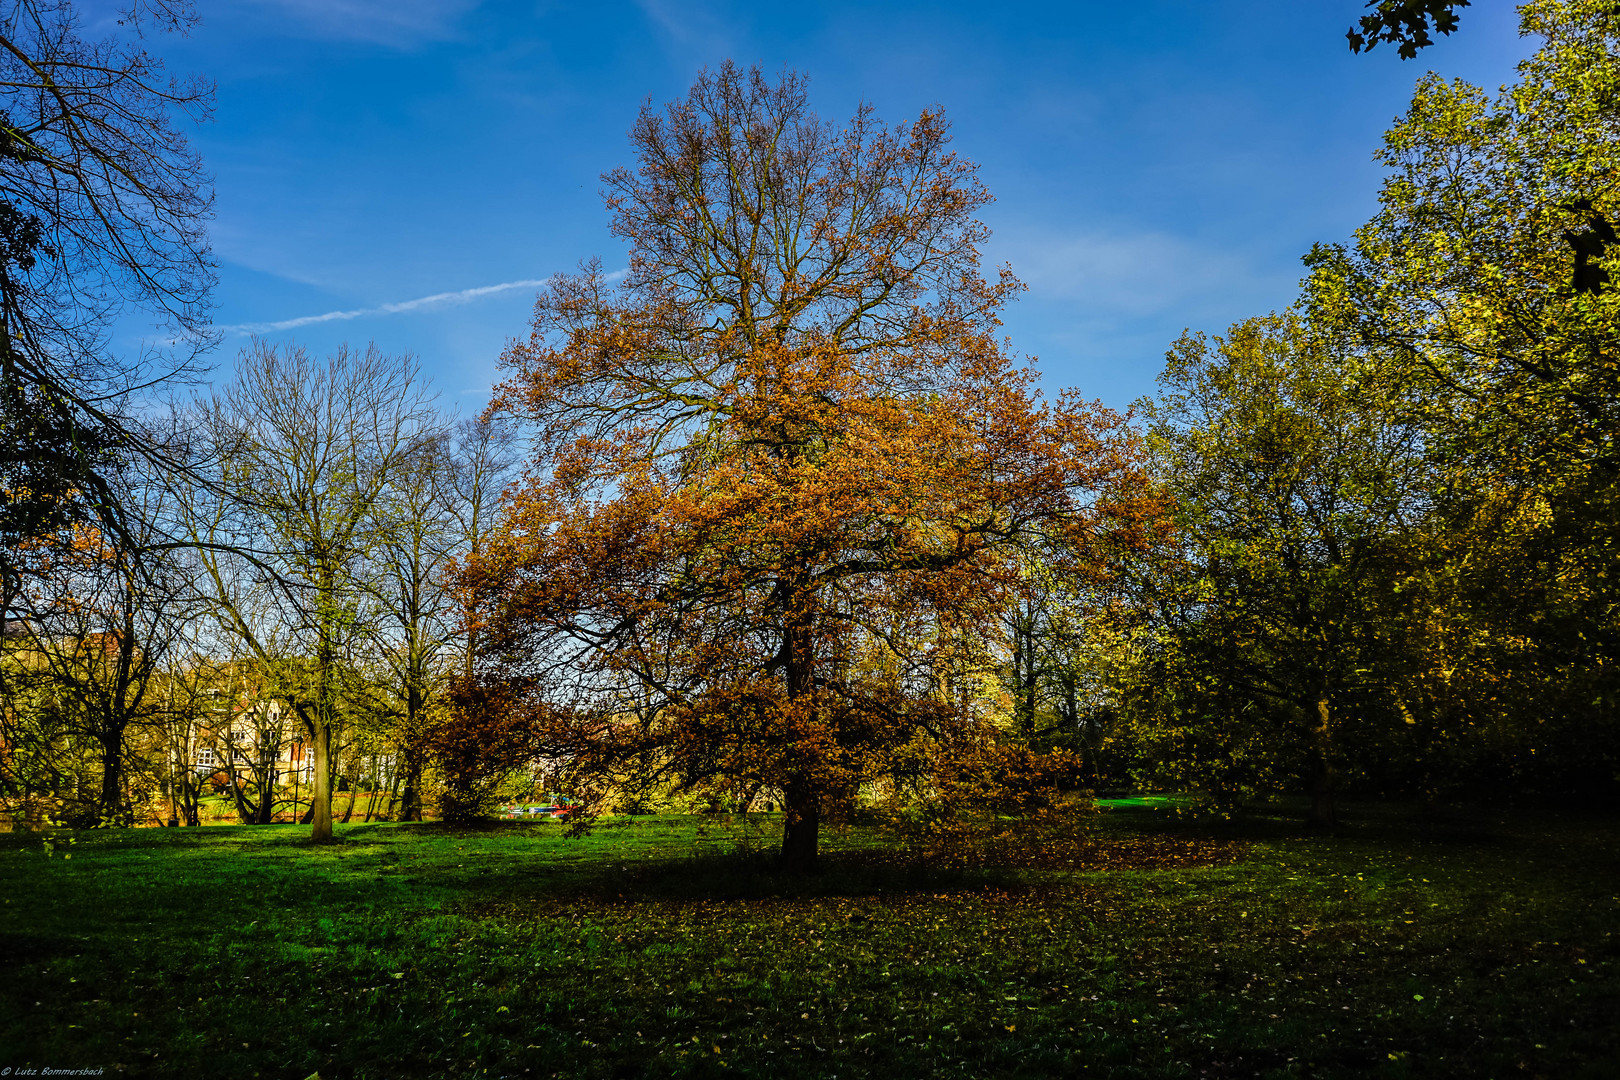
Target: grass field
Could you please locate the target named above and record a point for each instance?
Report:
(1465, 945)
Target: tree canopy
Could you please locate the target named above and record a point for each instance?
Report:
(782, 467)
(1486, 272)
(1458, 367)
(1299, 487)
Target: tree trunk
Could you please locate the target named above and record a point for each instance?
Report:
(320, 785)
(410, 800)
(112, 776)
(1024, 678)
(246, 814)
(1321, 758)
(393, 797)
(801, 828)
(354, 790)
(376, 790)
(267, 797)
(323, 717)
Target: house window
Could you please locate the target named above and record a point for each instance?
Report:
(205, 757)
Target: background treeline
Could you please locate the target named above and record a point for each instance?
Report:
(280, 606)
(1397, 503)
(789, 526)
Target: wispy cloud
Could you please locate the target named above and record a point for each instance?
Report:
(1133, 274)
(443, 299)
(691, 32)
(395, 23)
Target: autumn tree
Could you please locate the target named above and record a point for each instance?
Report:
(781, 468)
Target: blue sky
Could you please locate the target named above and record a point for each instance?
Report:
(1156, 165)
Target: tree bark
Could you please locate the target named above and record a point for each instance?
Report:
(321, 784)
(348, 810)
(393, 797)
(266, 813)
(1321, 759)
(801, 828)
(112, 775)
(1024, 677)
(376, 790)
(245, 813)
(410, 800)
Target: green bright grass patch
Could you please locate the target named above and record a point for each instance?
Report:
(1146, 802)
(668, 946)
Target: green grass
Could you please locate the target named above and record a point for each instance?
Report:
(1146, 802)
(1407, 946)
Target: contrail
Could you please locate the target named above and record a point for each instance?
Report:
(435, 300)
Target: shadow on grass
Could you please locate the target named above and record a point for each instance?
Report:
(1557, 838)
(725, 877)
(756, 875)
(859, 873)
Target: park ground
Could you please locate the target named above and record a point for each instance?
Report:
(1434, 942)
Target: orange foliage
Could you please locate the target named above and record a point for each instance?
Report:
(784, 469)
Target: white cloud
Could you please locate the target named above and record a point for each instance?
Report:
(1130, 275)
(443, 299)
(396, 23)
(437, 300)
(689, 32)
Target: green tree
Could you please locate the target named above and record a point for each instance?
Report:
(1296, 485)
(1061, 626)
(1487, 272)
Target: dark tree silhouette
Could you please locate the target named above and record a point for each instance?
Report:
(102, 208)
(1404, 24)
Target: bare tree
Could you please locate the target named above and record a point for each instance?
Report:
(414, 617)
(100, 616)
(484, 464)
(306, 453)
(102, 212)
(441, 505)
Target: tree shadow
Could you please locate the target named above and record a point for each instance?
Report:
(756, 875)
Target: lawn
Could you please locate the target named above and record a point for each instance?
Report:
(1409, 945)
